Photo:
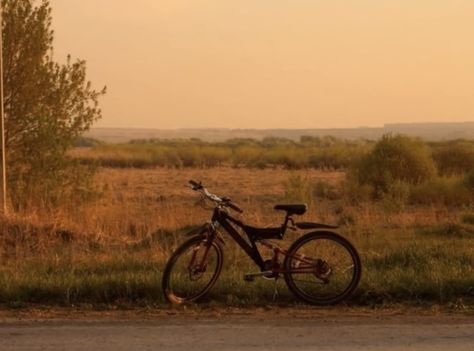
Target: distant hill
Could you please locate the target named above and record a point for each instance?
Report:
(434, 131)
(426, 131)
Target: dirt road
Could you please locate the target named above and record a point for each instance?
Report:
(177, 333)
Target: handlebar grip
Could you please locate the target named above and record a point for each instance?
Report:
(235, 207)
(195, 184)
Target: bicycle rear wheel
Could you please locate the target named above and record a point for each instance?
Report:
(192, 270)
(322, 268)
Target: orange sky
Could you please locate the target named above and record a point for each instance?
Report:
(273, 63)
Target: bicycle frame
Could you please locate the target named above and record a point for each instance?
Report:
(223, 219)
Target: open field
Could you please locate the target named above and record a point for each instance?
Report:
(111, 251)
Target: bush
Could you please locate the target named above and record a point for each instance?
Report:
(396, 197)
(357, 193)
(447, 191)
(454, 158)
(469, 181)
(86, 142)
(394, 159)
(468, 218)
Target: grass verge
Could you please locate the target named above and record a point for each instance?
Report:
(413, 266)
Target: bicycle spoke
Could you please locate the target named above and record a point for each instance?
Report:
(348, 269)
(194, 270)
(329, 267)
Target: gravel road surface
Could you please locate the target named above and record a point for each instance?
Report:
(223, 333)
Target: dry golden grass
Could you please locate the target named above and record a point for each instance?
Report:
(159, 198)
(151, 199)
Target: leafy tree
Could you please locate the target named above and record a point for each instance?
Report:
(48, 105)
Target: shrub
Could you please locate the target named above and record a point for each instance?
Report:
(448, 191)
(396, 197)
(454, 158)
(86, 142)
(394, 159)
(468, 218)
(469, 181)
(247, 156)
(357, 193)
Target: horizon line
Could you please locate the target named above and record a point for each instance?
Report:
(308, 128)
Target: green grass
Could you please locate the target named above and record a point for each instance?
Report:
(65, 283)
(405, 265)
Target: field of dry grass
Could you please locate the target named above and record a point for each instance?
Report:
(111, 251)
(151, 199)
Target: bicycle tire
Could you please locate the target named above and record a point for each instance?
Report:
(326, 300)
(168, 291)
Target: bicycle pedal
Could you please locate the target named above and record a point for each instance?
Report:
(249, 278)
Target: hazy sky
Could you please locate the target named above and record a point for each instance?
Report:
(273, 63)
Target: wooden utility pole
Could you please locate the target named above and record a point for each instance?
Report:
(2, 123)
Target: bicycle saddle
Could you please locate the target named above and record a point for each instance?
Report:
(293, 209)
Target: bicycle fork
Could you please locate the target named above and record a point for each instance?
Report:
(202, 265)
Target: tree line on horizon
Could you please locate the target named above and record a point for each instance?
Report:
(451, 157)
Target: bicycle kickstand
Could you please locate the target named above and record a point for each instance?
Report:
(275, 290)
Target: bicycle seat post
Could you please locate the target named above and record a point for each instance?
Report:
(284, 227)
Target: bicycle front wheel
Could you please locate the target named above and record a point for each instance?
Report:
(192, 270)
(322, 268)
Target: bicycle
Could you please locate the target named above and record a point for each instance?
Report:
(321, 267)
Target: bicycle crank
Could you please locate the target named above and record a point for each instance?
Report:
(250, 277)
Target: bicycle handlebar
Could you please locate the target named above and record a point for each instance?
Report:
(226, 202)
(235, 207)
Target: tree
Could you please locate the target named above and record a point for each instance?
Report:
(47, 105)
